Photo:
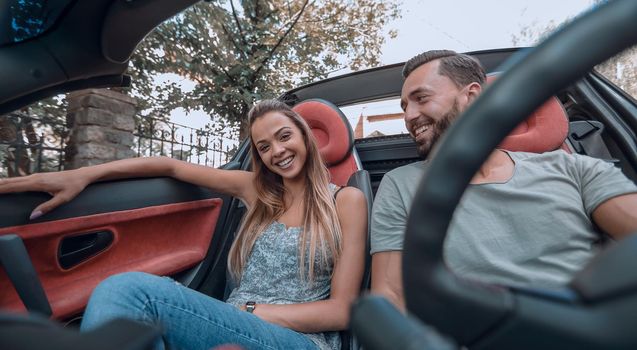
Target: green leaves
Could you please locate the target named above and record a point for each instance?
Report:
(243, 51)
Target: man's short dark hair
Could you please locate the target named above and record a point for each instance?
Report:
(460, 68)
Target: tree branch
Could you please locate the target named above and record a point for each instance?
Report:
(333, 17)
(236, 19)
(280, 41)
(229, 35)
(215, 12)
(215, 55)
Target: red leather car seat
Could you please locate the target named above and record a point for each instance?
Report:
(334, 136)
(545, 130)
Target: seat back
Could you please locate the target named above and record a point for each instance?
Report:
(334, 137)
(543, 131)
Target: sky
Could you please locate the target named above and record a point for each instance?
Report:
(460, 25)
(466, 25)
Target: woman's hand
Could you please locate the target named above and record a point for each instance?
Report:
(63, 186)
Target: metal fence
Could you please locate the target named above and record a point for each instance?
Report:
(37, 144)
(156, 137)
(31, 144)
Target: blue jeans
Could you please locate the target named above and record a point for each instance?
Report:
(189, 319)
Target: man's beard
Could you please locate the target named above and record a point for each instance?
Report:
(438, 128)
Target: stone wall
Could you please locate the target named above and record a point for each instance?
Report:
(102, 123)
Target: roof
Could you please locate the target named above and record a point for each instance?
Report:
(378, 83)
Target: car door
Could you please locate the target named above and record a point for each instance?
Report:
(155, 225)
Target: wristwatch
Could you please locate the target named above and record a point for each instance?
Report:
(250, 306)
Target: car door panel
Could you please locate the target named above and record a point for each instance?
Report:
(162, 240)
(101, 197)
(156, 225)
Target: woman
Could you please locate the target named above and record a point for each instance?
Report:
(297, 260)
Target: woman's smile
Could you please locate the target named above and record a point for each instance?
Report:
(285, 163)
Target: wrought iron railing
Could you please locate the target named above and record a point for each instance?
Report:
(158, 137)
(31, 144)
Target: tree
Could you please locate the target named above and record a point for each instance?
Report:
(238, 53)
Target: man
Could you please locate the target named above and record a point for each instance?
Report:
(525, 219)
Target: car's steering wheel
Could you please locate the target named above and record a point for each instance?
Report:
(599, 308)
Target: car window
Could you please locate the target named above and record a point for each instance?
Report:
(375, 118)
(21, 20)
(621, 69)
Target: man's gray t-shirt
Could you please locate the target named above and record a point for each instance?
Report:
(534, 228)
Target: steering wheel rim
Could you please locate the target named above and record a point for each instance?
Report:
(432, 293)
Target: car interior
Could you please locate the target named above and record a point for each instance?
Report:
(49, 266)
(591, 311)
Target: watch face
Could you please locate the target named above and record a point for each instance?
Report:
(250, 306)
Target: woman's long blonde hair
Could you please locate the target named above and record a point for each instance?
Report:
(321, 227)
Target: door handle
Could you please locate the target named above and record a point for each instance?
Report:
(75, 249)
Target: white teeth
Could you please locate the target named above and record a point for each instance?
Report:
(285, 162)
(421, 129)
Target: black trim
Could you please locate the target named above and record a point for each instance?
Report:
(94, 83)
(74, 250)
(377, 83)
(128, 22)
(615, 126)
(22, 333)
(104, 197)
(74, 49)
(382, 154)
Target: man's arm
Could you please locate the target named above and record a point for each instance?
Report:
(389, 217)
(617, 216)
(387, 278)
(608, 195)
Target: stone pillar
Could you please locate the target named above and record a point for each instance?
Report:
(102, 123)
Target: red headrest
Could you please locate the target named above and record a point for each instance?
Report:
(330, 128)
(545, 130)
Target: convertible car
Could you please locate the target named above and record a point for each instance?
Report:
(50, 265)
